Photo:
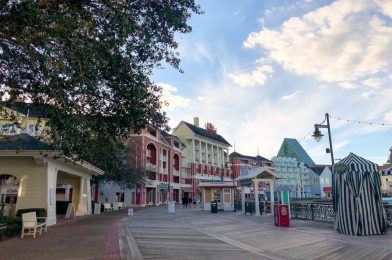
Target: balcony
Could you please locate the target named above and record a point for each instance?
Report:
(186, 164)
(186, 175)
(164, 171)
(151, 167)
(163, 158)
(176, 173)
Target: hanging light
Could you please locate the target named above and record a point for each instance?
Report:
(317, 135)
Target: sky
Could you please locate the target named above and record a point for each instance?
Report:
(261, 71)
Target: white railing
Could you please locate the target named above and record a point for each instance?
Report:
(186, 175)
(164, 170)
(163, 158)
(151, 167)
(176, 173)
(186, 164)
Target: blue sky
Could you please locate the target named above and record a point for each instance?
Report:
(264, 70)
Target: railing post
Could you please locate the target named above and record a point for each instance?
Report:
(312, 207)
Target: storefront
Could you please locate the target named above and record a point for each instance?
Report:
(220, 191)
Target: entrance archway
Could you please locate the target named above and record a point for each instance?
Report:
(9, 190)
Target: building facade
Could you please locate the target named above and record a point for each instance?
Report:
(159, 155)
(205, 165)
(240, 162)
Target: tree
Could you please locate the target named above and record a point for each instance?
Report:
(90, 61)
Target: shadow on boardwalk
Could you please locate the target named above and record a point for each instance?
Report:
(194, 234)
(87, 237)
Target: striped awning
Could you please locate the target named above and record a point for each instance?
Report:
(354, 162)
(387, 172)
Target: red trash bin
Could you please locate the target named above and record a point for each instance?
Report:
(284, 216)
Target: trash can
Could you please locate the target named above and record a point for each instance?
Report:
(214, 206)
(281, 215)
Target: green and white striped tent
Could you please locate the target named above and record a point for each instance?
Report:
(357, 197)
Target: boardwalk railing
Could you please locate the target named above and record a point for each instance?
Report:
(323, 212)
(313, 211)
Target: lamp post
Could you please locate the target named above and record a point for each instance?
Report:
(317, 135)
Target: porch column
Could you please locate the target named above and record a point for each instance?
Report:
(200, 158)
(256, 189)
(272, 199)
(243, 199)
(51, 197)
(212, 154)
(88, 191)
(81, 200)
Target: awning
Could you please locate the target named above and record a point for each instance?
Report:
(216, 184)
(387, 172)
(327, 189)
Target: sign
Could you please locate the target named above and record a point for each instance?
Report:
(51, 196)
(130, 212)
(70, 211)
(97, 208)
(171, 206)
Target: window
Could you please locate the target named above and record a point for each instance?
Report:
(217, 196)
(120, 196)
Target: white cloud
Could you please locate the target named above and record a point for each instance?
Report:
(194, 51)
(173, 100)
(251, 79)
(344, 41)
(373, 83)
(291, 96)
(347, 85)
(388, 117)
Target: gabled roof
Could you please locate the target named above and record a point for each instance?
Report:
(22, 142)
(256, 158)
(318, 169)
(165, 134)
(34, 110)
(202, 132)
(291, 148)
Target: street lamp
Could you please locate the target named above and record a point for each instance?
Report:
(317, 135)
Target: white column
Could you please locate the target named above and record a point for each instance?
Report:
(81, 210)
(243, 199)
(272, 183)
(212, 154)
(51, 195)
(193, 150)
(218, 156)
(200, 159)
(88, 191)
(206, 152)
(256, 189)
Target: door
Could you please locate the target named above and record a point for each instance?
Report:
(217, 196)
(227, 199)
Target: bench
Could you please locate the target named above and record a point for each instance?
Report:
(31, 224)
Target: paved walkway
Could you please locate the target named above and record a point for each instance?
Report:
(194, 234)
(88, 237)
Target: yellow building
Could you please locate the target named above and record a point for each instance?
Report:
(32, 175)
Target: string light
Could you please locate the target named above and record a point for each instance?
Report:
(302, 139)
(360, 122)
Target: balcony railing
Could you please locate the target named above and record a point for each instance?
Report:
(151, 167)
(186, 175)
(164, 171)
(176, 172)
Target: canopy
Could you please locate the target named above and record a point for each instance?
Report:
(387, 172)
(357, 197)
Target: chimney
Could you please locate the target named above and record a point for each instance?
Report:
(196, 121)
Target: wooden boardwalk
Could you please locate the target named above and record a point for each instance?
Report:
(194, 234)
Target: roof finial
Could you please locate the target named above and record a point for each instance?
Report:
(234, 145)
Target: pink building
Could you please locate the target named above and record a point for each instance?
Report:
(159, 154)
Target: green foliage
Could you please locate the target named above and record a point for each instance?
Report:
(14, 226)
(40, 212)
(90, 60)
